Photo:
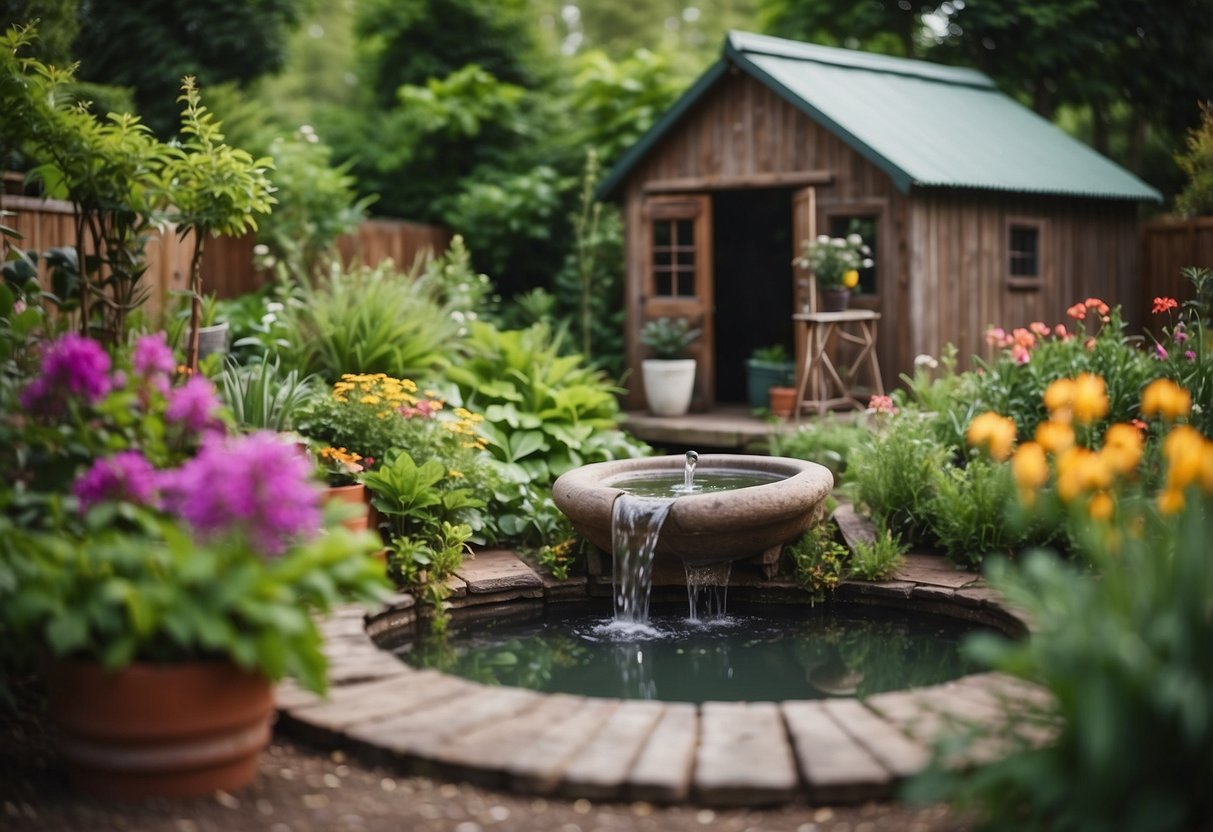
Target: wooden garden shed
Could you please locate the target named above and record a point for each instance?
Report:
(979, 211)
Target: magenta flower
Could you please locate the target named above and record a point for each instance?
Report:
(1160, 352)
(73, 367)
(255, 485)
(194, 406)
(124, 476)
(153, 360)
(1191, 356)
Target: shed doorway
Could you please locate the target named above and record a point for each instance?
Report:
(752, 232)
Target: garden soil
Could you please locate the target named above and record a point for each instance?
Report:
(303, 789)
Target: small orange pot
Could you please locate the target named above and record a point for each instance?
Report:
(783, 401)
(355, 494)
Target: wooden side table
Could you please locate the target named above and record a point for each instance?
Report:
(821, 386)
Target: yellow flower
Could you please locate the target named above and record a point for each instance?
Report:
(1184, 449)
(1080, 470)
(1102, 506)
(1090, 398)
(1163, 397)
(850, 279)
(1122, 448)
(1171, 501)
(1055, 437)
(1029, 466)
(1206, 468)
(369, 399)
(994, 433)
(1059, 398)
(455, 475)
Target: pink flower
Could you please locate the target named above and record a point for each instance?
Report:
(153, 360)
(1191, 356)
(126, 476)
(1039, 328)
(257, 486)
(882, 404)
(1160, 352)
(1020, 354)
(73, 367)
(194, 406)
(995, 336)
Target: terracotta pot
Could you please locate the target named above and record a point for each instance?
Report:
(183, 729)
(835, 300)
(355, 494)
(783, 401)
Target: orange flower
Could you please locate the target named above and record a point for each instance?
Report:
(1078, 312)
(1162, 305)
(1055, 437)
(1098, 305)
(1122, 448)
(1029, 466)
(994, 433)
(1163, 397)
(1059, 398)
(1080, 470)
(1171, 501)
(1039, 328)
(1184, 449)
(1101, 507)
(1090, 398)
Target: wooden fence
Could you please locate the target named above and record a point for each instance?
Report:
(227, 263)
(1168, 246)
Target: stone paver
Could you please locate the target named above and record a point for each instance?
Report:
(836, 768)
(720, 753)
(744, 758)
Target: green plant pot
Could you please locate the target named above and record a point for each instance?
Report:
(763, 375)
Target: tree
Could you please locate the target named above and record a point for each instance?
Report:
(149, 45)
(1196, 200)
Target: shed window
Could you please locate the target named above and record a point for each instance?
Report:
(1025, 266)
(673, 258)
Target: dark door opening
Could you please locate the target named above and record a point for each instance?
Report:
(752, 231)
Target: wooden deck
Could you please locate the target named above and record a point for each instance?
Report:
(726, 427)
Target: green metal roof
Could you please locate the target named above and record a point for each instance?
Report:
(925, 125)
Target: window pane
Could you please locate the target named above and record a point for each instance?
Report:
(662, 259)
(686, 237)
(1024, 251)
(686, 258)
(664, 284)
(661, 232)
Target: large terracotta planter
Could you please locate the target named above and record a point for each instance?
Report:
(353, 495)
(183, 729)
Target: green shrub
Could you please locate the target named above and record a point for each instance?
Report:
(368, 320)
(894, 476)
(817, 560)
(262, 397)
(829, 442)
(876, 560)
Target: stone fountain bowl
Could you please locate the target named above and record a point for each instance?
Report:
(707, 528)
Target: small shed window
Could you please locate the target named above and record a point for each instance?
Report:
(1025, 266)
(673, 258)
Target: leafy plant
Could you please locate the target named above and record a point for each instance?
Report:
(368, 321)
(877, 559)
(262, 397)
(1196, 161)
(668, 338)
(895, 475)
(214, 189)
(817, 560)
(829, 441)
(968, 512)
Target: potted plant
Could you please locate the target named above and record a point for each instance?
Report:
(669, 376)
(835, 263)
(166, 572)
(340, 471)
(767, 367)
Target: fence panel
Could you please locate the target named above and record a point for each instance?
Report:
(227, 263)
(1168, 246)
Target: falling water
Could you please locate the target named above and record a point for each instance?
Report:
(688, 475)
(635, 526)
(708, 590)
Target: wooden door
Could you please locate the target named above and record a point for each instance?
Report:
(678, 277)
(804, 227)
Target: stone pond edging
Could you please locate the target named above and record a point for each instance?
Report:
(717, 754)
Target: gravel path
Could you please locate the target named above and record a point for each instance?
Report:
(301, 789)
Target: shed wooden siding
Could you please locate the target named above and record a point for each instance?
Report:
(958, 265)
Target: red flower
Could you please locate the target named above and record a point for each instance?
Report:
(1162, 305)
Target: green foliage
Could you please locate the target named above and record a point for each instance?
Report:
(365, 320)
(161, 595)
(830, 442)
(455, 284)
(1125, 654)
(148, 46)
(876, 560)
(615, 103)
(895, 476)
(262, 397)
(1188, 344)
(317, 203)
(931, 391)
(558, 558)
(1196, 162)
(817, 560)
(969, 512)
(668, 338)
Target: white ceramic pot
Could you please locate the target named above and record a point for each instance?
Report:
(668, 385)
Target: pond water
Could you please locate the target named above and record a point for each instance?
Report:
(755, 653)
(671, 484)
